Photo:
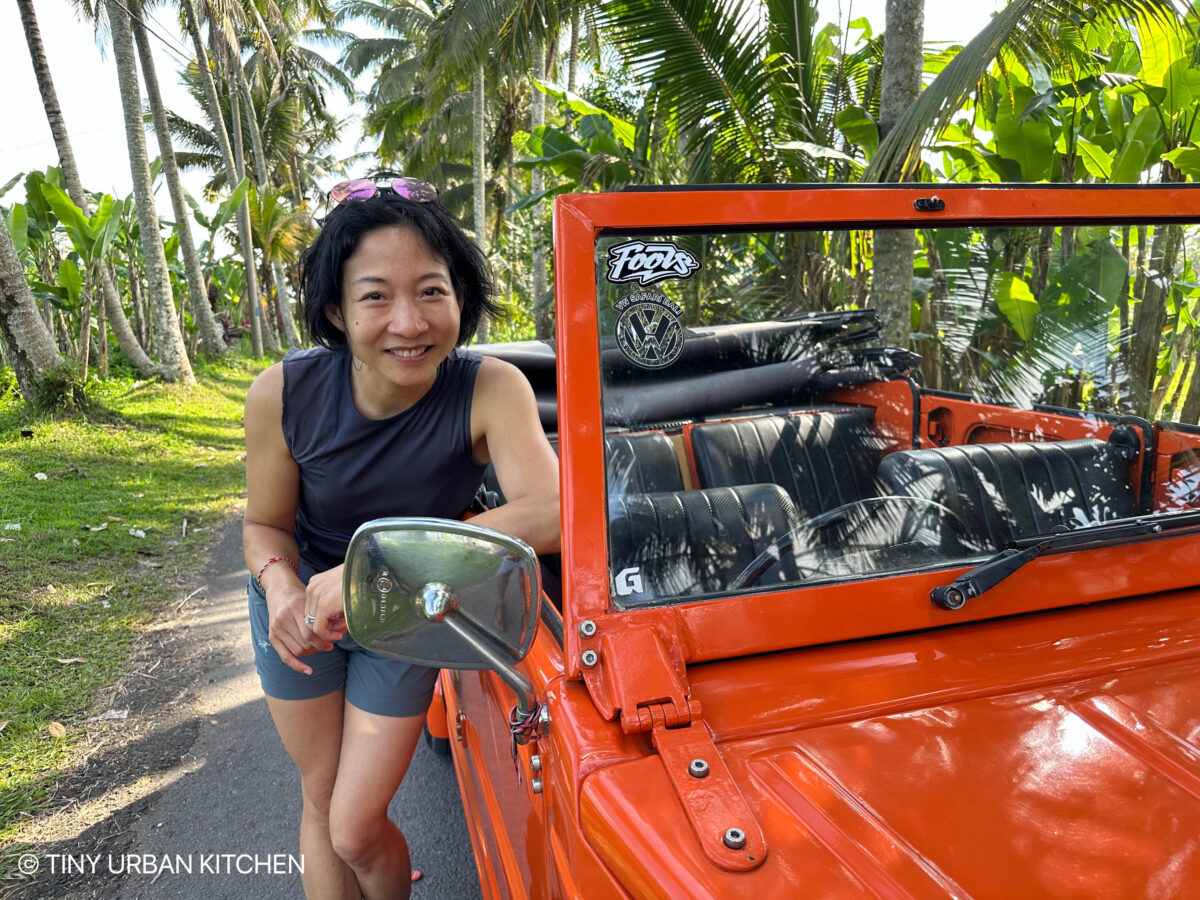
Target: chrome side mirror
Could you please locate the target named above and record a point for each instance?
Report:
(444, 594)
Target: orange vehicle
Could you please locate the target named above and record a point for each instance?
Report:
(834, 619)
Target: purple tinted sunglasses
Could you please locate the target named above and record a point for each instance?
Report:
(365, 188)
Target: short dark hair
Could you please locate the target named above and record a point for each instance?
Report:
(321, 265)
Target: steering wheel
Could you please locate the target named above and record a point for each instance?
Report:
(909, 531)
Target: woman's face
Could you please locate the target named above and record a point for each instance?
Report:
(399, 314)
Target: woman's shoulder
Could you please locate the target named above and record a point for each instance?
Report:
(461, 356)
(498, 370)
(267, 386)
(499, 381)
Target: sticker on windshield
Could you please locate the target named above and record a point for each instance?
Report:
(629, 581)
(648, 330)
(647, 263)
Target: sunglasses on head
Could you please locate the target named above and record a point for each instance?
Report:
(365, 188)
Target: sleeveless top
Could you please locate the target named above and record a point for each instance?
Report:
(354, 469)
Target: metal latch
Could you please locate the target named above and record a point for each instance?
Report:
(725, 825)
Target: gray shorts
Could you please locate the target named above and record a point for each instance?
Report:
(373, 683)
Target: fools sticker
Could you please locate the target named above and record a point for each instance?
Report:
(647, 263)
(648, 330)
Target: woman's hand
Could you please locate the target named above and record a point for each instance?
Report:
(288, 633)
(325, 603)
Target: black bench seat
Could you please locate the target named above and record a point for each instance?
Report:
(1005, 491)
(823, 460)
(678, 543)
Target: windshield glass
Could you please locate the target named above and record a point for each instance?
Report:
(760, 434)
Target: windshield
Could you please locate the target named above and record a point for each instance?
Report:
(760, 433)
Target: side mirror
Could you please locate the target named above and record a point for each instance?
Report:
(444, 594)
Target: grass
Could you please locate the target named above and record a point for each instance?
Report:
(92, 541)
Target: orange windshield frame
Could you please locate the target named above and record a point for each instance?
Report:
(773, 620)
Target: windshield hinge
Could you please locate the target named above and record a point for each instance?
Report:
(658, 715)
(636, 673)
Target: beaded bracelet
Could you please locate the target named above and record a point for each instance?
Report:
(275, 559)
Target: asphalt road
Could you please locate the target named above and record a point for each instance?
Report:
(234, 801)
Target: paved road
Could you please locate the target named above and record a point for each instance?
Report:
(236, 792)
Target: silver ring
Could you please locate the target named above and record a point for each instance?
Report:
(310, 620)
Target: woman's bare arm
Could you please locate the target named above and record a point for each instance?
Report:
(272, 495)
(508, 433)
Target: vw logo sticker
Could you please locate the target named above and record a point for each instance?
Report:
(648, 330)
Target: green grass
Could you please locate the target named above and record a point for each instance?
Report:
(75, 584)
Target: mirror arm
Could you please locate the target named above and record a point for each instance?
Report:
(477, 640)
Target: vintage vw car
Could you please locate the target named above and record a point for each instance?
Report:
(833, 618)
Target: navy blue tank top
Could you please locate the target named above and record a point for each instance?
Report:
(353, 469)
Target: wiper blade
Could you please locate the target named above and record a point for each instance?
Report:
(1025, 550)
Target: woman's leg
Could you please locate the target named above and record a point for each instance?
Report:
(376, 751)
(312, 735)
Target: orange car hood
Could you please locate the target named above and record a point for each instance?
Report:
(1086, 788)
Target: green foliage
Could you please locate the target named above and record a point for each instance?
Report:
(18, 227)
(62, 390)
(77, 583)
(1018, 304)
(860, 128)
(8, 384)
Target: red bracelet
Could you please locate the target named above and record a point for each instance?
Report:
(275, 559)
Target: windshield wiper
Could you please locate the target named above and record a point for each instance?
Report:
(1025, 550)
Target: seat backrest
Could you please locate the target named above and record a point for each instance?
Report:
(675, 543)
(1002, 492)
(821, 459)
(642, 463)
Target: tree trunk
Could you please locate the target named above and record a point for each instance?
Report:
(172, 352)
(66, 158)
(28, 344)
(1150, 315)
(257, 325)
(573, 57)
(101, 339)
(85, 336)
(283, 296)
(479, 174)
(211, 332)
(139, 308)
(245, 242)
(543, 315)
(903, 60)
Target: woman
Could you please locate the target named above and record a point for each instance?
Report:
(386, 418)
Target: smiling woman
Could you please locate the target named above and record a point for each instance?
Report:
(387, 418)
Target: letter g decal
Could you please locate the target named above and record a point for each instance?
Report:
(629, 581)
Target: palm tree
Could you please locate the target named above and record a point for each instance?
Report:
(1025, 28)
(437, 58)
(171, 348)
(212, 335)
(894, 248)
(280, 232)
(192, 20)
(275, 99)
(112, 302)
(416, 104)
(29, 346)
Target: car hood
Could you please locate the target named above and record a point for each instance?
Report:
(1087, 787)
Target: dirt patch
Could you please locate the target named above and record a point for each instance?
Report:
(127, 759)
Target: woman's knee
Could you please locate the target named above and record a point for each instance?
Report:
(358, 835)
(317, 790)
